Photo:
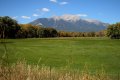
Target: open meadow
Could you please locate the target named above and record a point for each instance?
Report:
(74, 53)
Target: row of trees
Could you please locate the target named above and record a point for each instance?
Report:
(9, 28)
(82, 34)
(30, 31)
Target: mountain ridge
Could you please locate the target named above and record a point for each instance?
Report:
(72, 23)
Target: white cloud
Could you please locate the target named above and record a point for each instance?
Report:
(63, 3)
(26, 17)
(45, 9)
(55, 1)
(82, 15)
(15, 17)
(35, 15)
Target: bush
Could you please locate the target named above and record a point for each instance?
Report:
(113, 31)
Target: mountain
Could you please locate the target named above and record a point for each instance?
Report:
(71, 23)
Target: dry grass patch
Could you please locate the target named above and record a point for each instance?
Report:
(23, 71)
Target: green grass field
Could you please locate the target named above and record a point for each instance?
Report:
(76, 53)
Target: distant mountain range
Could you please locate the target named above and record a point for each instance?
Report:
(71, 23)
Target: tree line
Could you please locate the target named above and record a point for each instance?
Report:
(82, 34)
(9, 28)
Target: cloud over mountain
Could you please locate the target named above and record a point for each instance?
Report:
(35, 15)
(25, 17)
(63, 3)
(55, 1)
(45, 9)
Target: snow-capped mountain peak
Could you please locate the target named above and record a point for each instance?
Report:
(67, 17)
(71, 23)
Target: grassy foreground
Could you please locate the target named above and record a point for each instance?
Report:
(75, 53)
(23, 71)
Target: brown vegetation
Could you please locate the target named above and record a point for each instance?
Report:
(22, 71)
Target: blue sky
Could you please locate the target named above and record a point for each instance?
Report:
(25, 11)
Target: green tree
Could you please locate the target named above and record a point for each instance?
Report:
(8, 27)
(32, 32)
(51, 32)
(28, 31)
(113, 31)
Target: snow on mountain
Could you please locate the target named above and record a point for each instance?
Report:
(71, 23)
(67, 17)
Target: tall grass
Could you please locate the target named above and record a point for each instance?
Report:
(23, 71)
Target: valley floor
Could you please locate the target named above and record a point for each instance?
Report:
(73, 53)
